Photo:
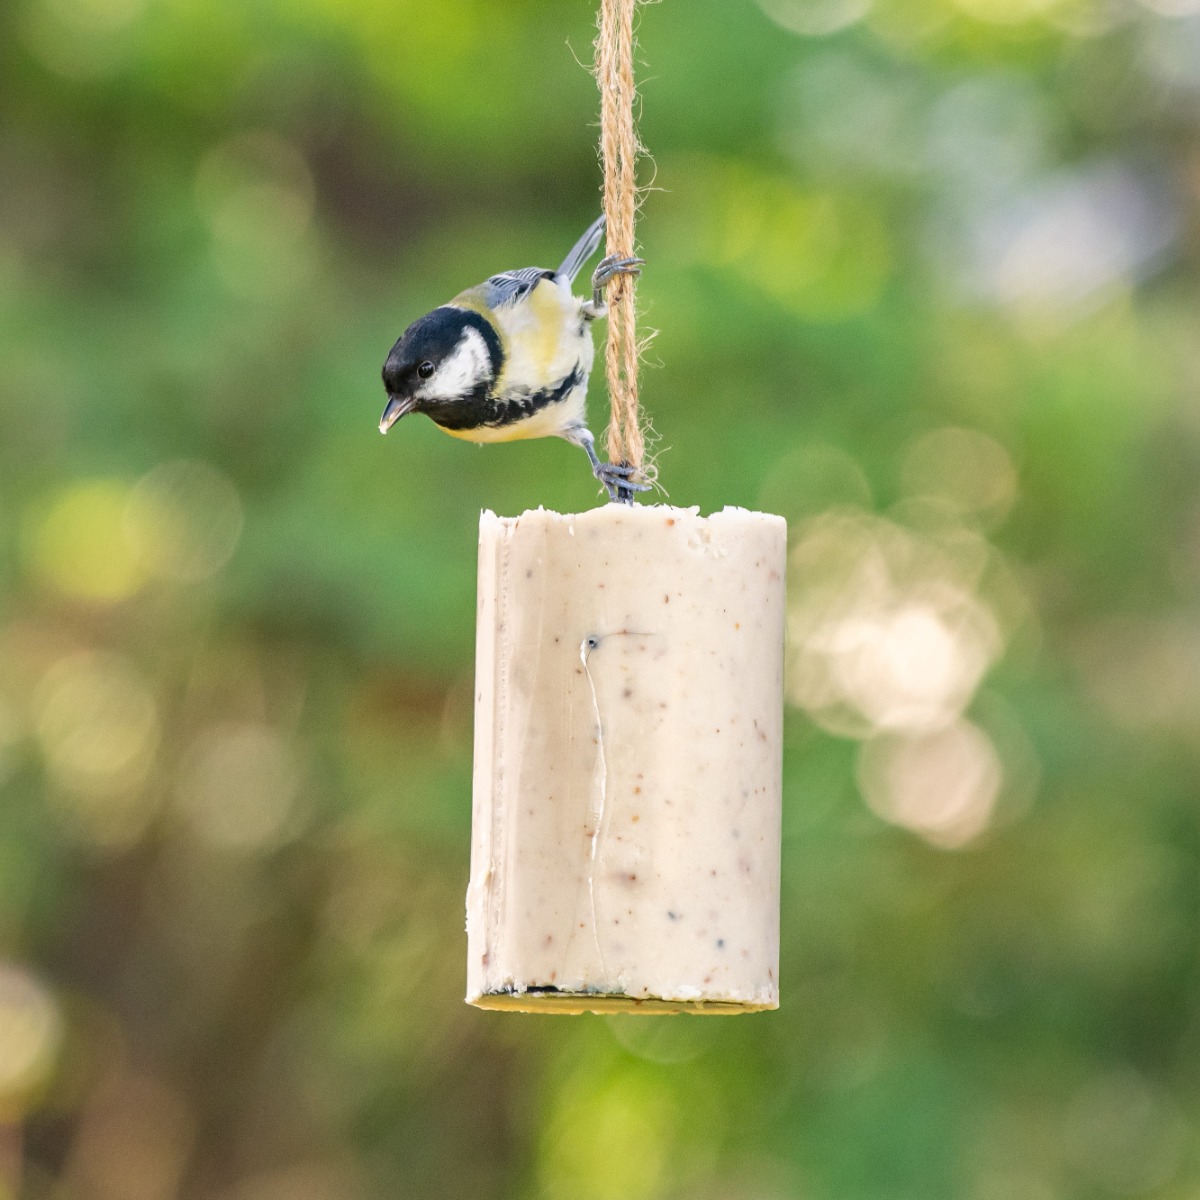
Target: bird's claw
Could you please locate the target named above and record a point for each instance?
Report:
(619, 481)
(618, 478)
(609, 268)
(606, 271)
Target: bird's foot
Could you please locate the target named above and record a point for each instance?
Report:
(618, 478)
(620, 482)
(607, 270)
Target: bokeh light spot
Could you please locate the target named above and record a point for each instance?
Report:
(942, 786)
(844, 114)
(823, 254)
(96, 16)
(238, 786)
(1125, 1135)
(810, 479)
(183, 520)
(987, 133)
(1172, 53)
(815, 18)
(662, 1041)
(1172, 8)
(628, 1111)
(98, 727)
(80, 39)
(30, 1035)
(963, 466)
(885, 632)
(1062, 244)
(1007, 12)
(1146, 675)
(255, 192)
(254, 181)
(79, 545)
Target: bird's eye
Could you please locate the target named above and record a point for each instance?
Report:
(425, 370)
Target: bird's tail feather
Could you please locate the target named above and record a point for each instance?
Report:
(583, 249)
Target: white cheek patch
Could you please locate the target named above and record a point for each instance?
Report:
(462, 370)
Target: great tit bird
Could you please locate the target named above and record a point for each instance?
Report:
(510, 359)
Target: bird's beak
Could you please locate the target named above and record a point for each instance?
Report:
(397, 406)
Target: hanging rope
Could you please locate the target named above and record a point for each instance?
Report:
(619, 150)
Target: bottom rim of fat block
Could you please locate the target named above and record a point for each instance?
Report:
(554, 1000)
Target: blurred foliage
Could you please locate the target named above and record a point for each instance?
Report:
(925, 275)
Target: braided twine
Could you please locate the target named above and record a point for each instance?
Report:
(619, 152)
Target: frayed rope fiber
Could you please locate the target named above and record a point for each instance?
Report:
(619, 152)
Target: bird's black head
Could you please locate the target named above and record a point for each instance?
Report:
(448, 356)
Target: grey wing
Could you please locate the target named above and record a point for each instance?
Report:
(511, 286)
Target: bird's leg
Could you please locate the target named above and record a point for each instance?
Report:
(614, 476)
(605, 272)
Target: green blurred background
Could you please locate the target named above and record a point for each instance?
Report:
(925, 274)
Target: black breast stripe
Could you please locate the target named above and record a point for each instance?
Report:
(481, 410)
